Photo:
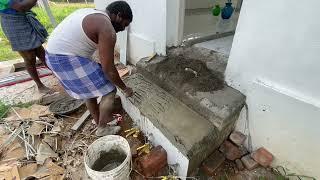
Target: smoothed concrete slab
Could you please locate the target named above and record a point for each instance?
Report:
(192, 134)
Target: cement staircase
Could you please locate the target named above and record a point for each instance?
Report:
(185, 98)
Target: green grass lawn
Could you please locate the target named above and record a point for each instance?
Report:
(59, 10)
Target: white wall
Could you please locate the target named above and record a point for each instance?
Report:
(147, 32)
(275, 62)
(195, 4)
(175, 22)
(200, 4)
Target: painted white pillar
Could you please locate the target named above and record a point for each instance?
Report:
(175, 22)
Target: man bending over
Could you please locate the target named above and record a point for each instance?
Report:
(69, 51)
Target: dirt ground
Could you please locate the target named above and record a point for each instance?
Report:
(229, 171)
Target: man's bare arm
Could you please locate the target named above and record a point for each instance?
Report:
(107, 41)
(24, 5)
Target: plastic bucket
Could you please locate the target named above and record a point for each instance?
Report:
(102, 150)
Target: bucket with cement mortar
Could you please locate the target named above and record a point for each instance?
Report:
(108, 158)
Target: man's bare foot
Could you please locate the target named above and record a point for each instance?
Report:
(44, 90)
(108, 130)
(114, 122)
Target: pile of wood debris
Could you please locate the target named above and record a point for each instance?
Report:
(35, 143)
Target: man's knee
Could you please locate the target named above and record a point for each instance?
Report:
(91, 100)
(108, 98)
(107, 101)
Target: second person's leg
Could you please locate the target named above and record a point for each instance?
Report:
(29, 58)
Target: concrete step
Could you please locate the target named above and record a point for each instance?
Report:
(190, 133)
(196, 77)
(183, 102)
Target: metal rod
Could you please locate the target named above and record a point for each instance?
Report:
(48, 10)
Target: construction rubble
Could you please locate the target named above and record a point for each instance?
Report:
(233, 160)
(36, 143)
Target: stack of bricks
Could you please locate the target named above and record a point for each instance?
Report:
(233, 149)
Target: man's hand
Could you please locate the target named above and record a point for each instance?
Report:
(128, 92)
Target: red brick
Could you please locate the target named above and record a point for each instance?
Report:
(212, 163)
(163, 171)
(231, 151)
(237, 138)
(249, 163)
(263, 157)
(150, 164)
(240, 165)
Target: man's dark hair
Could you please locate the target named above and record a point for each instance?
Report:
(121, 7)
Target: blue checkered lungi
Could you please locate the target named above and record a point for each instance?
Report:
(23, 30)
(82, 78)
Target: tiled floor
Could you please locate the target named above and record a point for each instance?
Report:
(202, 23)
(222, 45)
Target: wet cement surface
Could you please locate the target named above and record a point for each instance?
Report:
(109, 160)
(190, 74)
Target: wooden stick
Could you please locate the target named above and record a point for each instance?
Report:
(82, 119)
